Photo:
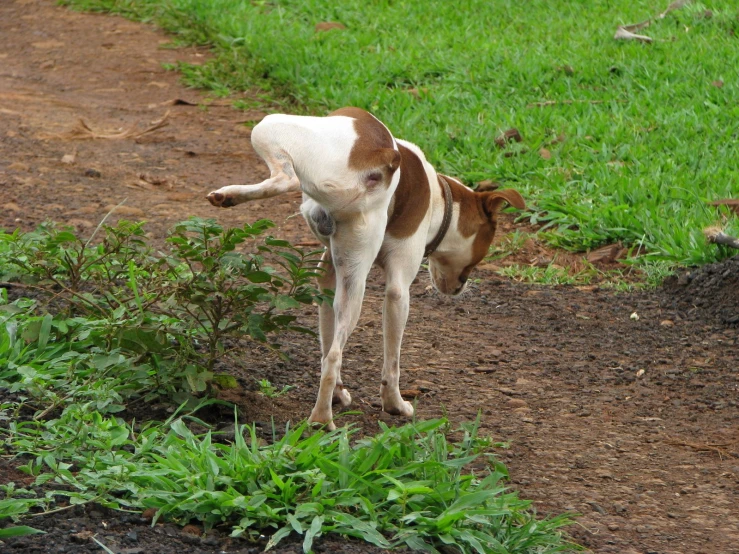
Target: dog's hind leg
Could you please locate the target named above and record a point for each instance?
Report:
(400, 270)
(327, 280)
(282, 179)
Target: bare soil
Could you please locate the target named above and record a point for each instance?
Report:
(631, 422)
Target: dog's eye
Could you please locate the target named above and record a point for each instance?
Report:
(374, 178)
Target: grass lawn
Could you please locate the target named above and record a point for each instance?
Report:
(622, 140)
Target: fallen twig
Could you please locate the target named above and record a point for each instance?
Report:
(623, 33)
(626, 32)
(731, 203)
(557, 102)
(719, 449)
(83, 131)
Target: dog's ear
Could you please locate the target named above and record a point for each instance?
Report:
(386, 161)
(493, 201)
(390, 158)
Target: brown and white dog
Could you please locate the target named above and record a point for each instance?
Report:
(370, 199)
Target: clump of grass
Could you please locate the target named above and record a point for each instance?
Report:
(622, 141)
(407, 486)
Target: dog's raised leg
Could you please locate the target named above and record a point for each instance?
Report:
(399, 275)
(282, 179)
(327, 280)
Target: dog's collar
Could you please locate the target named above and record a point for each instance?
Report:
(434, 244)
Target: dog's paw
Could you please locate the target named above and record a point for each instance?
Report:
(404, 408)
(220, 200)
(341, 396)
(318, 419)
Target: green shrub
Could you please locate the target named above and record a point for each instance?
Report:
(157, 321)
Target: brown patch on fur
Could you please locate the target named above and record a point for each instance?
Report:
(471, 214)
(373, 148)
(412, 197)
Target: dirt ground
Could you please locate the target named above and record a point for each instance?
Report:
(632, 423)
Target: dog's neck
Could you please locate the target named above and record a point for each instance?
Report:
(446, 220)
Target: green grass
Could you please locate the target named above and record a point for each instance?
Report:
(648, 138)
(409, 486)
(87, 337)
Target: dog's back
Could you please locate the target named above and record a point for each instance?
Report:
(317, 149)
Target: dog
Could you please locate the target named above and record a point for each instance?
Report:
(370, 199)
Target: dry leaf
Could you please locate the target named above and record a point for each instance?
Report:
(328, 26)
(487, 185)
(544, 153)
(511, 135)
(676, 5)
(605, 254)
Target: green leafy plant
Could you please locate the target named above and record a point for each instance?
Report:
(156, 321)
(407, 486)
(225, 291)
(266, 388)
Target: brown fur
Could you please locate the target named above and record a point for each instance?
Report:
(412, 197)
(478, 216)
(373, 148)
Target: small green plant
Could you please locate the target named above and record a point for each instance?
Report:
(408, 486)
(549, 275)
(157, 321)
(508, 245)
(266, 388)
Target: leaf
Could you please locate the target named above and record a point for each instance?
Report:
(278, 536)
(295, 523)
(284, 302)
(315, 531)
(44, 332)
(18, 531)
(31, 332)
(259, 277)
(356, 527)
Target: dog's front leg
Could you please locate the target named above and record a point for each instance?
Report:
(399, 274)
(327, 280)
(347, 306)
(353, 250)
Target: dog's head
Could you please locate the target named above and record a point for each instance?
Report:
(470, 235)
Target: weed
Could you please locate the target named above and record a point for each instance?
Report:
(589, 275)
(406, 486)
(266, 388)
(156, 321)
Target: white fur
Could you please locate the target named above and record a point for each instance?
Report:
(312, 153)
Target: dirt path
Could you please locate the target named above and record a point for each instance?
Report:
(556, 372)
